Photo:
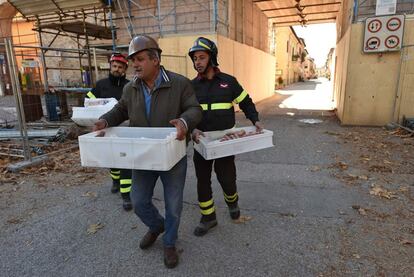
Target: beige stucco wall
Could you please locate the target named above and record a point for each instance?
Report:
(372, 89)
(291, 70)
(342, 53)
(405, 93)
(371, 81)
(253, 68)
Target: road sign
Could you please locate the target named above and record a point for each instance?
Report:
(374, 26)
(383, 33)
(393, 24)
(372, 43)
(392, 41)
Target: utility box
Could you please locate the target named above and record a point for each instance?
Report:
(132, 148)
(212, 147)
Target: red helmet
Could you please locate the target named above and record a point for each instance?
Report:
(119, 58)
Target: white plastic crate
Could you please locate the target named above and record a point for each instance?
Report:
(93, 110)
(210, 146)
(132, 148)
(88, 116)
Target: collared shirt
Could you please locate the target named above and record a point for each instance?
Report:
(148, 92)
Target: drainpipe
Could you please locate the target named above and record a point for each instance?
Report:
(355, 15)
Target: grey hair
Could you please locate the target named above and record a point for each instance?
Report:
(154, 54)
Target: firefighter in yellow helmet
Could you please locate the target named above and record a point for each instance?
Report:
(216, 92)
(109, 87)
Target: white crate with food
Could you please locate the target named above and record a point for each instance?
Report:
(94, 108)
(218, 144)
(132, 148)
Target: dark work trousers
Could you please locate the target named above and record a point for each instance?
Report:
(115, 175)
(225, 170)
(125, 183)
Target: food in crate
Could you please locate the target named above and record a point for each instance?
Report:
(239, 134)
(99, 102)
(217, 144)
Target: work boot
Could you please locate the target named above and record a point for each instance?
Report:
(149, 239)
(204, 226)
(170, 257)
(126, 204)
(115, 186)
(234, 211)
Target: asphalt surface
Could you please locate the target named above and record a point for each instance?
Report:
(295, 229)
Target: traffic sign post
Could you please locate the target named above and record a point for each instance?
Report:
(383, 33)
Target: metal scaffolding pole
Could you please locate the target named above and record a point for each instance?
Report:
(131, 28)
(159, 16)
(43, 59)
(89, 52)
(18, 98)
(112, 25)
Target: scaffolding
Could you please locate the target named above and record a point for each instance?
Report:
(163, 17)
(29, 66)
(366, 8)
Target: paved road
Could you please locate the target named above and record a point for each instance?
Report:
(297, 216)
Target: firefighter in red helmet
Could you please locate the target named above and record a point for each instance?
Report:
(111, 87)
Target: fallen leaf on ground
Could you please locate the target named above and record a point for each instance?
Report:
(380, 168)
(93, 228)
(332, 133)
(315, 168)
(288, 214)
(378, 191)
(406, 242)
(89, 194)
(242, 219)
(340, 165)
(14, 220)
(403, 189)
(356, 256)
(362, 211)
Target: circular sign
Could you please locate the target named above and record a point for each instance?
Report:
(374, 26)
(372, 43)
(392, 41)
(393, 24)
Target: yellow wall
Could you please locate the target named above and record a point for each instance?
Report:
(405, 93)
(291, 70)
(175, 53)
(253, 68)
(369, 95)
(372, 89)
(341, 70)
